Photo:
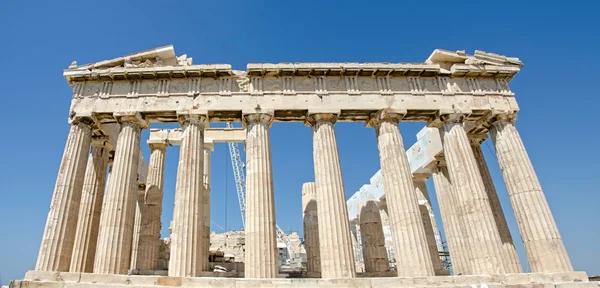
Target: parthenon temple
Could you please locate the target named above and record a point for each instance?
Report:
(103, 227)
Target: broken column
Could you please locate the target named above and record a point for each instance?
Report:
(113, 252)
(411, 250)
(187, 252)
(86, 237)
(509, 253)
(149, 236)
(482, 236)
(261, 240)
(337, 258)
(57, 242)
(373, 241)
(431, 230)
(310, 221)
(544, 247)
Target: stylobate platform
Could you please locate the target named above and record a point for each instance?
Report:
(522, 280)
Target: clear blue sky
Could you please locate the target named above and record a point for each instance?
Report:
(557, 92)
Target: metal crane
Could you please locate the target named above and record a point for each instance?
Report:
(240, 185)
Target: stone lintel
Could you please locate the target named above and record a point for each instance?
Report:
(421, 176)
(211, 135)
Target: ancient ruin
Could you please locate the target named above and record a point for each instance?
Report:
(460, 97)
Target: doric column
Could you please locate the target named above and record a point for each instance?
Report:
(431, 230)
(187, 253)
(57, 243)
(208, 148)
(86, 237)
(410, 244)
(337, 258)
(140, 213)
(373, 242)
(509, 253)
(261, 242)
(544, 247)
(452, 220)
(113, 251)
(310, 219)
(149, 236)
(472, 202)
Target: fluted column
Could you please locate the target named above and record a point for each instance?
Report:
(410, 243)
(472, 202)
(86, 237)
(187, 247)
(56, 248)
(454, 226)
(509, 253)
(431, 230)
(149, 236)
(113, 252)
(208, 148)
(140, 213)
(543, 244)
(261, 242)
(373, 241)
(337, 258)
(310, 219)
(387, 233)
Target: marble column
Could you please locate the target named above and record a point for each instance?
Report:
(261, 240)
(310, 219)
(88, 223)
(431, 230)
(472, 203)
(373, 241)
(140, 211)
(387, 233)
(208, 148)
(509, 253)
(544, 247)
(113, 252)
(187, 247)
(337, 258)
(56, 248)
(149, 236)
(452, 220)
(410, 243)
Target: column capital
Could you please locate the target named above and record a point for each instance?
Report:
(476, 139)
(157, 144)
(101, 141)
(443, 119)
(193, 116)
(314, 118)
(421, 176)
(132, 117)
(251, 118)
(510, 117)
(386, 115)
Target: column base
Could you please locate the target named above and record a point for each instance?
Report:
(521, 280)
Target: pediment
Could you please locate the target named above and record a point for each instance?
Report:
(157, 57)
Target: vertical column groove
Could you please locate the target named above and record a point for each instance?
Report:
(472, 202)
(56, 248)
(149, 236)
(412, 253)
(509, 253)
(261, 241)
(86, 237)
(337, 257)
(113, 253)
(431, 230)
(206, 203)
(310, 220)
(452, 221)
(187, 254)
(544, 247)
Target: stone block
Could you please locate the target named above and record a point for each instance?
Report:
(516, 278)
(169, 281)
(578, 285)
(569, 277)
(539, 278)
